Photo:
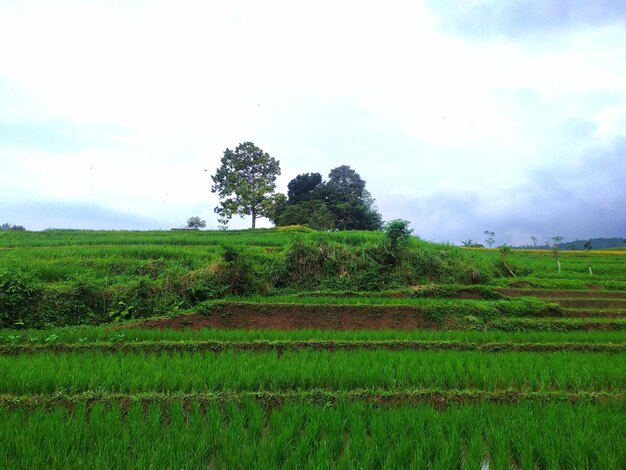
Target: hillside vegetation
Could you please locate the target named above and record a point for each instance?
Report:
(65, 277)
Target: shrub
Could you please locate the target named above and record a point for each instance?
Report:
(19, 293)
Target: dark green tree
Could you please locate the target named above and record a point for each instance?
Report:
(303, 187)
(346, 197)
(245, 182)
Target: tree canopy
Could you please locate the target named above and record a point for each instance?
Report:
(195, 223)
(341, 203)
(245, 183)
(302, 187)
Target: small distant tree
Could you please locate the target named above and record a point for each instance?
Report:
(587, 245)
(195, 223)
(490, 238)
(245, 182)
(556, 250)
(468, 243)
(533, 239)
(505, 251)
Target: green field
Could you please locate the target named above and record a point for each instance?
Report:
(298, 349)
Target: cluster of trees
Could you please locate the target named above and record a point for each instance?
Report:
(340, 203)
(246, 184)
(7, 226)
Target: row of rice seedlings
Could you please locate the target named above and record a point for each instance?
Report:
(104, 334)
(62, 238)
(526, 435)
(303, 299)
(304, 370)
(437, 307)
(561, 283)
(555, 324)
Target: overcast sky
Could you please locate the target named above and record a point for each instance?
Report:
(461, 116)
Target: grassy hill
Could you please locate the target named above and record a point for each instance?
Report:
(71, 277)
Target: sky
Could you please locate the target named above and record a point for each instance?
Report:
(461, 115)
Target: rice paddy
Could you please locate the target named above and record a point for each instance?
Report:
(526, 372)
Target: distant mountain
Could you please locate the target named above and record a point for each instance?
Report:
(596, 244)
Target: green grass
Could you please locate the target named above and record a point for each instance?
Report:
(302, 370)
(347, 435)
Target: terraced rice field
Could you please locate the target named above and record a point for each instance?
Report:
(446, 376)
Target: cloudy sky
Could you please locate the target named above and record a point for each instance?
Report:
(462, 116)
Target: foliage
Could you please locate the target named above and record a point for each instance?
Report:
(18, 292)
(195, 223)
(313, 213)
(398, 233)
(303, 187)
(245, 183)
(341, 203)
(235, 273)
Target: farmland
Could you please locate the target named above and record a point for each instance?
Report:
(299, 349)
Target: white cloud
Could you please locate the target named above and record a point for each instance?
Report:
(385, 88)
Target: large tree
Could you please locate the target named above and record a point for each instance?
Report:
(303, 187)
(347, 198)
(245, 182)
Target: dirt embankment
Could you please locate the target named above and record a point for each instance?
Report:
(293, 317)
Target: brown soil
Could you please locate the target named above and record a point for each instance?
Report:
(588, 313)
(562, 294)
(470, 295)
(292, 345)
(438, 399)
(289, 317)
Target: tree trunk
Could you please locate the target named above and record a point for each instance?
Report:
(253, 219)
(508, 268)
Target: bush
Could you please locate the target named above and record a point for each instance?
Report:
(398, 233)
(19, 294)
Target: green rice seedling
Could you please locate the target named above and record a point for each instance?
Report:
(314, 436)
(305, 370)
